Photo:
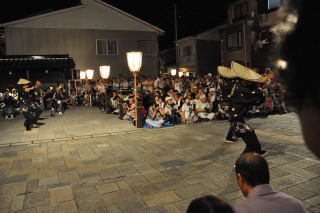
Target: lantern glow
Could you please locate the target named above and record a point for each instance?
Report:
(173, 72)
(89, 73)
(82, 75)
(134, 60)
(104, 71)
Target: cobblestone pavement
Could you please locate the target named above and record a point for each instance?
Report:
(74, 123)
(151, 170)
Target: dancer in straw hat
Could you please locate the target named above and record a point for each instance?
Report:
(244, 94)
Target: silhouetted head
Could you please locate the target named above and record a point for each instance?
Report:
(209, 204)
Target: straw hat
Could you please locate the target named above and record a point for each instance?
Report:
(168, 98)
(226, 72)
(245, 72)
(23, 81)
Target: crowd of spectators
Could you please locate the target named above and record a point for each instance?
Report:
(170, 99)
(164, 100)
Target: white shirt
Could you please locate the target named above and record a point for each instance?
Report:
(177, 86)
(187, 109)
(201, 105)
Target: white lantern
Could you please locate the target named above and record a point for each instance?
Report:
(173, 72)
(180, 74)
(187, 74)
(82, 75)
(89, 73)
(282, 64)
(134, 60)
(104, 71)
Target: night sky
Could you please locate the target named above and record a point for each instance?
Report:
(192, 18)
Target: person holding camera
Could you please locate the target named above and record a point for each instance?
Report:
(155, 117)
(171, 113)
(59, 98)
(9, 104)
(129, 107)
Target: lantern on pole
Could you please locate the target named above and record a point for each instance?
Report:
(82, 75)
(134, 60)
(89, 73)
(104, 71)
(173, 72)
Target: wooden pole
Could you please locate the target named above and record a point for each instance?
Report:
(135, 96)
(135, 88)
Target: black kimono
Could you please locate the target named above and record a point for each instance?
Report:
(242, 99)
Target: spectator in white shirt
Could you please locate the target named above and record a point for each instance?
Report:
(203, 108)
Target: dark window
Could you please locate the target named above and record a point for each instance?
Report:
(241, 10)
(234, 40)
(107, 47)
(148, 47)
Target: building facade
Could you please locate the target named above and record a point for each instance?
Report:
(247, 38)
(200, 54)
(93, 34)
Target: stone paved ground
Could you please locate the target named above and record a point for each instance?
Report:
(150, 170)
(75, 122)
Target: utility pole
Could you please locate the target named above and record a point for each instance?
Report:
(176, 36)
(245, 42)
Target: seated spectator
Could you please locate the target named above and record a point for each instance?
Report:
(209, 204)
(114, 102)
(129, 108)
(178, 101)
(171, 113)
(147, 99)
(203, 108)
(72, 98)
(155, 116)
(9, 105)
(187, 112)
(48, 101)
(212, 100)
(253, 177)
(196, 99)
(59, 99)
(86, 98)
(101, 95)
(269, 103)
(159, 100)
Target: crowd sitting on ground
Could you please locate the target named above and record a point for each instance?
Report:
(164, 100)
(171, 100)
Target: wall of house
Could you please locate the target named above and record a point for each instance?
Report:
(187, 61)
(242, 54)
(212, 34)
(81, 46)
